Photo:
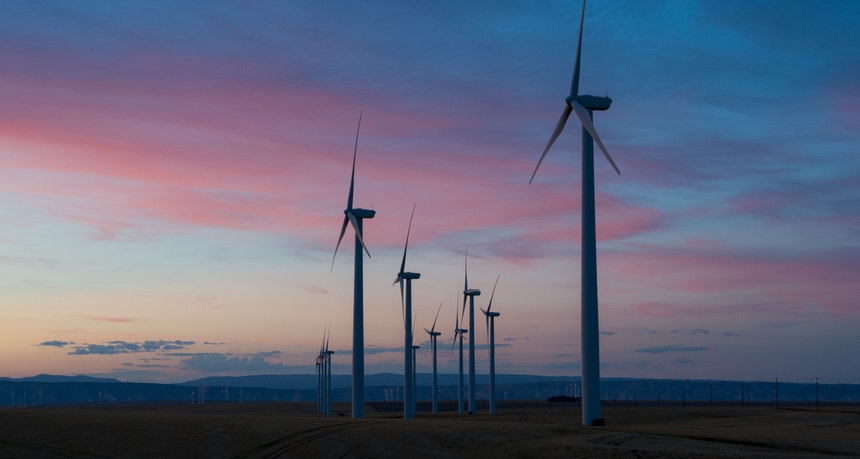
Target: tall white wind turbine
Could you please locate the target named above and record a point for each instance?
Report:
(433, 335)
(583, 106)
(355, 216)
(491, 339)
(406, 278)
(470, 294)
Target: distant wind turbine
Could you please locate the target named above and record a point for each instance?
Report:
(459, 334)
(320, 376)
(433, 335)
(328, 354)
(355, 216)
(584, 106)
(406, 278)
(491, 339)
(470, 294)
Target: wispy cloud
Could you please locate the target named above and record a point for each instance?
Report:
(27, 262)
(216, 362)
(56, 343)
(671, 348)
(116, 320)
(123, 347)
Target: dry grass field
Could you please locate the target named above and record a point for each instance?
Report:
(296, 430)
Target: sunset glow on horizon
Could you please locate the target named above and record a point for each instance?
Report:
(173, 178)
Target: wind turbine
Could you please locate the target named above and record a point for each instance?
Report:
(354, 216)
(470, 294)
(583, 106)
(320, 378)
(458, 333)
(328, 354)
(320, 363)
(491, 338)
(406, 307)
(433, 334)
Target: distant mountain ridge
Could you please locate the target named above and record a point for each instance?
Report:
(62, 379)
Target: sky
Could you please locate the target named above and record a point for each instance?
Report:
(173, 177)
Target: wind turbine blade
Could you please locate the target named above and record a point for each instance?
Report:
(555, 133)
(456, 316)
(463, 313)
(574, 82)
(342, 232)
(490, 305)
(466, 271)
(328, 336)
(437, 318)
(582, 113)
(406, 246)
(408, 231)
(354, 154)
(354, 222)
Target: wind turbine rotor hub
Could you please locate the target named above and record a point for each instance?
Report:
(361, 213)
(591, 102)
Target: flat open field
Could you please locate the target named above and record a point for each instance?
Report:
(296, 430)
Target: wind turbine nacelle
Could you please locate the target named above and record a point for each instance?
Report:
(592, 102)
(361, 213)
(472, 292)
(410, 276)
(493, 314)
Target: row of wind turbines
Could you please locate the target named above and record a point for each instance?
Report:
(583, 106)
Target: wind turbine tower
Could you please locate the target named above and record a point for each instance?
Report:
(458, 335)
(584, 106)
(433, 335)
(406, 278)
(319, 383)
(328, 354)
(491, 338)
(415, 348)
(321, 375)
(470, 294)
(355, 217)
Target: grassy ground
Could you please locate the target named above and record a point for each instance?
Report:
(296, 430)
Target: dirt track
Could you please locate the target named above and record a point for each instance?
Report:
(295, 430)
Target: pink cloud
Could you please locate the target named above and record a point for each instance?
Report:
(812, 283)
(115, 320)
